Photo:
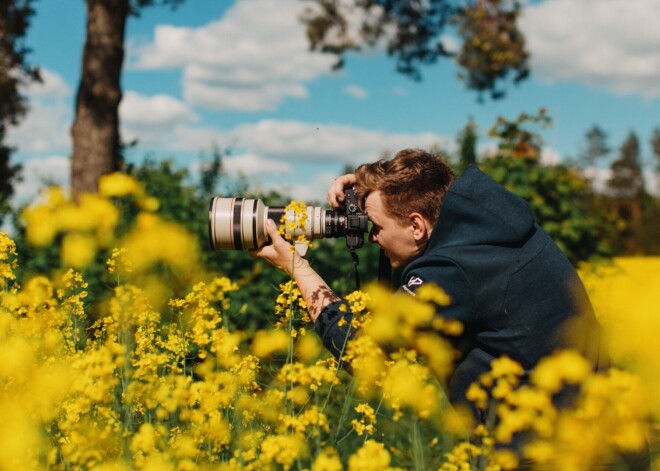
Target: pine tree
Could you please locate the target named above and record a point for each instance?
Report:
(626, 187)
(596, 147)
(467, 144)
(655, 147)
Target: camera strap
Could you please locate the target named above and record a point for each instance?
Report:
(354, 269)
(384, 269)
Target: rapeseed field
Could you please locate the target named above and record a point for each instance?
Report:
(139, 381)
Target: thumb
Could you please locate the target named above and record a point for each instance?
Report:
(272, 230)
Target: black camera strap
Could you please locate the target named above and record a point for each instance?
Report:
(384, 269)
(354, 268)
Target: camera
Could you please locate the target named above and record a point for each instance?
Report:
(240, 223)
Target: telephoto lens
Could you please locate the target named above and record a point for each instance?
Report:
(240, 223)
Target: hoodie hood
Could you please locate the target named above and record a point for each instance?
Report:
(478, 211)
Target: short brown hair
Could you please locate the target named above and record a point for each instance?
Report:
(413, 181)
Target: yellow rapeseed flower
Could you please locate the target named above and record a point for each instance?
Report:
(155, 241)
(371, 457)
(118, 184)
(294, 221)
(267, 342)
(78, 250)
(565, 366)
(367, 422)
(8, 259)
(327, 460)
(282, 450)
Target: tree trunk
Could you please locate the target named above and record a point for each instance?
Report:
(95, 131)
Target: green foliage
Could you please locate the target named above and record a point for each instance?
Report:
(493, 46)
(562, 202)
(9, 173)
(492, 49)
(15, 16)
(561, 198)
(636, 209)
(467, 144)
(185, 201)
(596, 147)
(655, 146)
(628, 194)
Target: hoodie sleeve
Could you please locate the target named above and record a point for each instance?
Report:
(453, 281)
(333, 333)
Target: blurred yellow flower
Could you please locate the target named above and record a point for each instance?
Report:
(118, 184)
(78, 250)
(371, 457)
(565, 366)
(282, 450)
(327, 460)
(8, 262)
(267, 342)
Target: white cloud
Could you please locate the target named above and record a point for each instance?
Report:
(550, 156)
(356, 91)
(254, 165)
(301, 159)
(313, 190)
(38, 172)
(251, 59)
(157, 110)
(46, 126)
(295, 141)
(156, 121)
(609, 44)
(52, 86)
(600, 176)
(285, 141)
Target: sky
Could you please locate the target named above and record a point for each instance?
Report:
(238, 75)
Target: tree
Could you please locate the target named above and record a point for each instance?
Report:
(516, 140)
(467, 145)
(626, 187)
(596, 147)
(651, 218)
(655, 148)
(493, 49)
(413, 30)
(560, 197)
(95, 131)
(15, 71)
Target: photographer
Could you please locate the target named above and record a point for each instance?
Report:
(510, 285)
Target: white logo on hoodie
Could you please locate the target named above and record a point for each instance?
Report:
(415, 281)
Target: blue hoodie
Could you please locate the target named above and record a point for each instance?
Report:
(510, 284)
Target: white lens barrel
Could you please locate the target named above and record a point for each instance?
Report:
(240, 223)
(237, 224)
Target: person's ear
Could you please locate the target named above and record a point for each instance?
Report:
(420, 228)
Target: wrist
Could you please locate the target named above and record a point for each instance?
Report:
(300, 265)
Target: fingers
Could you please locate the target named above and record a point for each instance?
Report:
(270, 251)
(336, 191)
(272, 230)
(278, 253)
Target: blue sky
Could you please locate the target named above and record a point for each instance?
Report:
(238, 74)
